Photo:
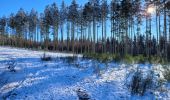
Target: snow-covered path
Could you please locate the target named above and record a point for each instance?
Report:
(59, 79)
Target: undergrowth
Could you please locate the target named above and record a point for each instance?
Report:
(105, 57)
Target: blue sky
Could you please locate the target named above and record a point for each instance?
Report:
(9, 6)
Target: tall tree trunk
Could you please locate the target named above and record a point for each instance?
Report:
(68, 32)
(102, 35)
(54, 39)
(72, 39)
(165, 33)
(62, 44)
(47, 37)
(84, 40)
(146, 43)
(57, 42)
(89, 36)
(157, 31)
(37, 34)
(105, 38)
(94, 35)
(132, 26)
(169, 26)
(111, 42)
(126, 37)
(138, 32)
(159, 28)
(81, 39)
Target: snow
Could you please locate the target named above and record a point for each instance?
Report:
(61, 80)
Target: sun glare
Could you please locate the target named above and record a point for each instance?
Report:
(151, 10)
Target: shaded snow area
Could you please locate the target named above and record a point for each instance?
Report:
(62, 79)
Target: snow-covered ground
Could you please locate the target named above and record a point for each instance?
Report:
(60, 79)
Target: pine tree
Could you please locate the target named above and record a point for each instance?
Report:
(104, 13)
(2, 29)
(87, 14)
(33, 19)
(95, 14)
(47, 23)
(54, 13)
(63, 17)
(20, 19)
(72, 16)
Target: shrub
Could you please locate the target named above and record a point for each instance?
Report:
(167, 74)
(104, 57)
(46, 58)
(117, 57)
(140, 83)
(156, 59)
(82, 94)
(11, 65)
(70, 59)
(128, 59)
(140, 59)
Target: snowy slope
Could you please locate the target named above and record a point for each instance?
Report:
(60, 80)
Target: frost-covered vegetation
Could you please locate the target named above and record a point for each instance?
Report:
(167, 73)
(71, 77)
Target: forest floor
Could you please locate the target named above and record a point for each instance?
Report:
(61, 79)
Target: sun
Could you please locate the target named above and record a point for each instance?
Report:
(151, 10)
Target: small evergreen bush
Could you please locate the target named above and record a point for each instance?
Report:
(46, 58)
(71, 59)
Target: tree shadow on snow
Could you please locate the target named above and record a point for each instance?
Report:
(37, 76)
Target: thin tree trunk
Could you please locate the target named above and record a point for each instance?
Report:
(54, 39)
(159, 27)
(105, 38)
(169, 26)
(68, 32)
(102, 35)
(89, 37)
(150, 37)
(72, 39)
(157, 32)
(165, 33)
(126, 37)
(81, 39)
(94, 35)
(62, 44)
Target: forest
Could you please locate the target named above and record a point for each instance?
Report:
(133, 27)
